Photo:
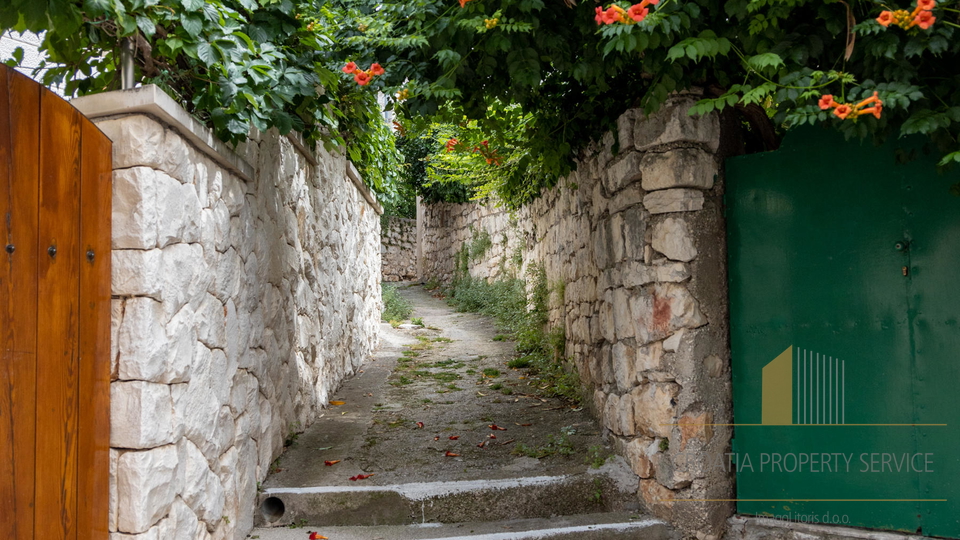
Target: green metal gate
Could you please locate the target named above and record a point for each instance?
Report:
(844, 301)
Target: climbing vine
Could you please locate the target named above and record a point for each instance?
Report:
(572, 67)
(233, 64)
(538, 80)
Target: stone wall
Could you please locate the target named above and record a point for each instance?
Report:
(246, 287)
(398, 249)
(637, 240)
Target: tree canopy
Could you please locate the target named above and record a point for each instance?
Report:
(508, 91)
(543, 78)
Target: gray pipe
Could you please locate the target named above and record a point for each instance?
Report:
(126, 64)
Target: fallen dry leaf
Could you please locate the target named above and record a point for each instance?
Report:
(525, 425)
(360, 477)
(420, 425)
(338, 403)
(454, 437)
(482, 444)
(451, 454)
(437, 438)
(331, 463)
(492, 436)
(496, 427)
(507, 442)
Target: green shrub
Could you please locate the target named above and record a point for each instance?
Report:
(395, 307)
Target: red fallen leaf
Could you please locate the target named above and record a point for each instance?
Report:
(524, 425)
(496, 427)
(482, 444)
(331, 463)
(492, 436)
(420, 425)
(437, 438)
(315, 536)
(454, 437)
(360, 477)
(451, 454)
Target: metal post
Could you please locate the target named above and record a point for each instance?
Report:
(126, 64)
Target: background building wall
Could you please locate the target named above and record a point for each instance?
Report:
(399, 249)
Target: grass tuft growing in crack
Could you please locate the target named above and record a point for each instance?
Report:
(555, 445)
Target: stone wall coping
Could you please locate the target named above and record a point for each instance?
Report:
(296, 139)
(354, 176)
(151, 100)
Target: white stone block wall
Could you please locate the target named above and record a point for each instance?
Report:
(239, 305)
(638, 241)
(398, 249)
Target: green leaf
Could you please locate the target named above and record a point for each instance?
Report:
(192, 23)
(146, 25)
(128, 24)
(17, 56)
(762, 61)
(174, 44)
(96, 7)
(952, 157)
(206, 53)
(246, 39)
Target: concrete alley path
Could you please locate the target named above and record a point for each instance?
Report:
(447, 433)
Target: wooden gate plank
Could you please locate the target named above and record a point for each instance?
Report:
(19, 191)
(95, 239)
(57, 340)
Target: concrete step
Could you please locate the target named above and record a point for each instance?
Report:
(607, 526)
(608, 489)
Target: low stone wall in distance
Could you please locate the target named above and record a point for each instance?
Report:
(245, 288)
(398, 249)
(635, 242)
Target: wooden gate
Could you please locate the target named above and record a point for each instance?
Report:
(55, 187)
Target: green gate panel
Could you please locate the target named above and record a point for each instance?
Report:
(934, 304)
(844, 335)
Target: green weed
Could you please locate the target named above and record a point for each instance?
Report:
(519, 362)
(555, 445)
(395, 307)
(596, 457)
